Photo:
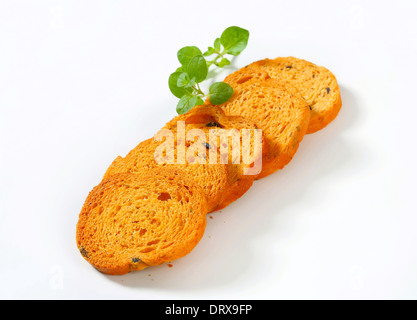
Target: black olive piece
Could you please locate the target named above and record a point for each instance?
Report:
(135, 260)
(310, 107)
(212, 124)
(206, 145)
(328, 90)
(84, 252)
(288, 67)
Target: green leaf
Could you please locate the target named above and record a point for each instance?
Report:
(199, 101)
(183, 80)
(209, 52)
(220, 92)
(185, 54)
(217, 44)
(234, 40)
(223, 62)
(186, 103)
(173, 85)
(181, 69)
(191, 83)
(197, 68)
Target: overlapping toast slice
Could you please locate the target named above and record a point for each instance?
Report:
(278, 109)
(213, 179)
(133, 221)
(234, 140)
(316, 84)
(223, 180)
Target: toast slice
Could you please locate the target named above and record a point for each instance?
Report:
(278, 109)
(213, 179)
(213, 121)
(132, 221)
(316, 84)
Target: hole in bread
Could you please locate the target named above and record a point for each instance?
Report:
(155, 221)
(147, 250)
(244, 79)
(164, 196)
(153, 242)
(167, 245)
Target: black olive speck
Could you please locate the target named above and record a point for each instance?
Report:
(135, 260)
(328, 90)
(84, 252)
(206, 145)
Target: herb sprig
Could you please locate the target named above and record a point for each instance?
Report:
(184, 83)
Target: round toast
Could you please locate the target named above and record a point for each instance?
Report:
(213, 121)
(213, 179)
(132, 221)
(316, 84)
(278, 109)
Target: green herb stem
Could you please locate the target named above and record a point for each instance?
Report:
(219, 55)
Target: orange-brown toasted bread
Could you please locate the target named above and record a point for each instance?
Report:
(132, 221)
(213, 179)
(278, 109)
(213, 121)
(316, 84)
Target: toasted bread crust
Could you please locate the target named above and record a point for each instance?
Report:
(316, 84)
(132, 221)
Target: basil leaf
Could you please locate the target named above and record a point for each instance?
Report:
(220, 92)
(186, 103)
(197, 68)
(173, 85)
(185, 54)
(234, 40)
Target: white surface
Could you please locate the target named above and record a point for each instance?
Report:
(84, 81)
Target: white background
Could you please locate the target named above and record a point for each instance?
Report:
(84, 81)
